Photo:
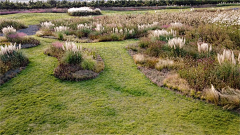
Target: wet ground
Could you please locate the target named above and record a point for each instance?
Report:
(31, 30)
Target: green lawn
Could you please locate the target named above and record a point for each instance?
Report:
(121, 100)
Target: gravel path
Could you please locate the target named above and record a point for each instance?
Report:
(31, 30)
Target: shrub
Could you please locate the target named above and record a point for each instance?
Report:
(157, 33)
(226, 74)
(139, 58)
(55, 50)
(60, 36)
(44, 32)
(175, 82)
(161, 64)
(83, 33)
(47, 25)
(154, 50)
(11, 58)
(151, 62)
(61, 28)
(10, 22)
(71, 57)
(88, 63)
(227, 97)
(198, 73)
(94, 35)
(83, 11)
(112, 37)
(144, 42)
(8, 30)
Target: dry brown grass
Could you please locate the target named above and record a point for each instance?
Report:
(174, 81)
(228, 97)
(139, 58)
(169, 64)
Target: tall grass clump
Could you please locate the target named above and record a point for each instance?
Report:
(11, 58)
(76, 63)
(20, 38)
(11, 22)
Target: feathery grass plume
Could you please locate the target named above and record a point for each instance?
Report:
(228, 97)
(71, 46)
(8, 29)
(99, 27)
(146, 26)
(212, 95)
(131, 31)
(220, 58)
(239, 58)
(176, 42)
(164, 64)
(157, 33)
(84, 26)
(82, 9)
(204, 47)
(139, 58)
(176, 25)
(8, 49)
(174, 81)
(61, 28)
(47, 25)
(227, 55)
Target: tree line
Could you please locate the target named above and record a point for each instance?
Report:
(101, 3)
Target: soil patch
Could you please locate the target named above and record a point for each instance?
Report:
(30, 30)
(10, 74)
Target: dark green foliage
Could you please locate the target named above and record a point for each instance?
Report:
(154, 50)
(226, 74)
(71, 57)
(110, 3)
(83, 33)
(111, 37)
(60, 36)
(24, 40)
(9, 22)
(164, 38)
(85, 13)
(94, 35)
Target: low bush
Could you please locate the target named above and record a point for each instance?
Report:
(55, 50)
(226, 74)
(144, 42)
(71, 57)
(10, 22)
(19, 38)
(88, 63)
(60, 36)
(11, 58)
(76, 63)
(84, 11)
(228, 97)
(198, 73)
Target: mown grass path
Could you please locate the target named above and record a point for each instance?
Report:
(121, 100)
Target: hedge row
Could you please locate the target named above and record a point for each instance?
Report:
(110, 3)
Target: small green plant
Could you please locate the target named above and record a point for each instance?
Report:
(88, 63)
(60, 36)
